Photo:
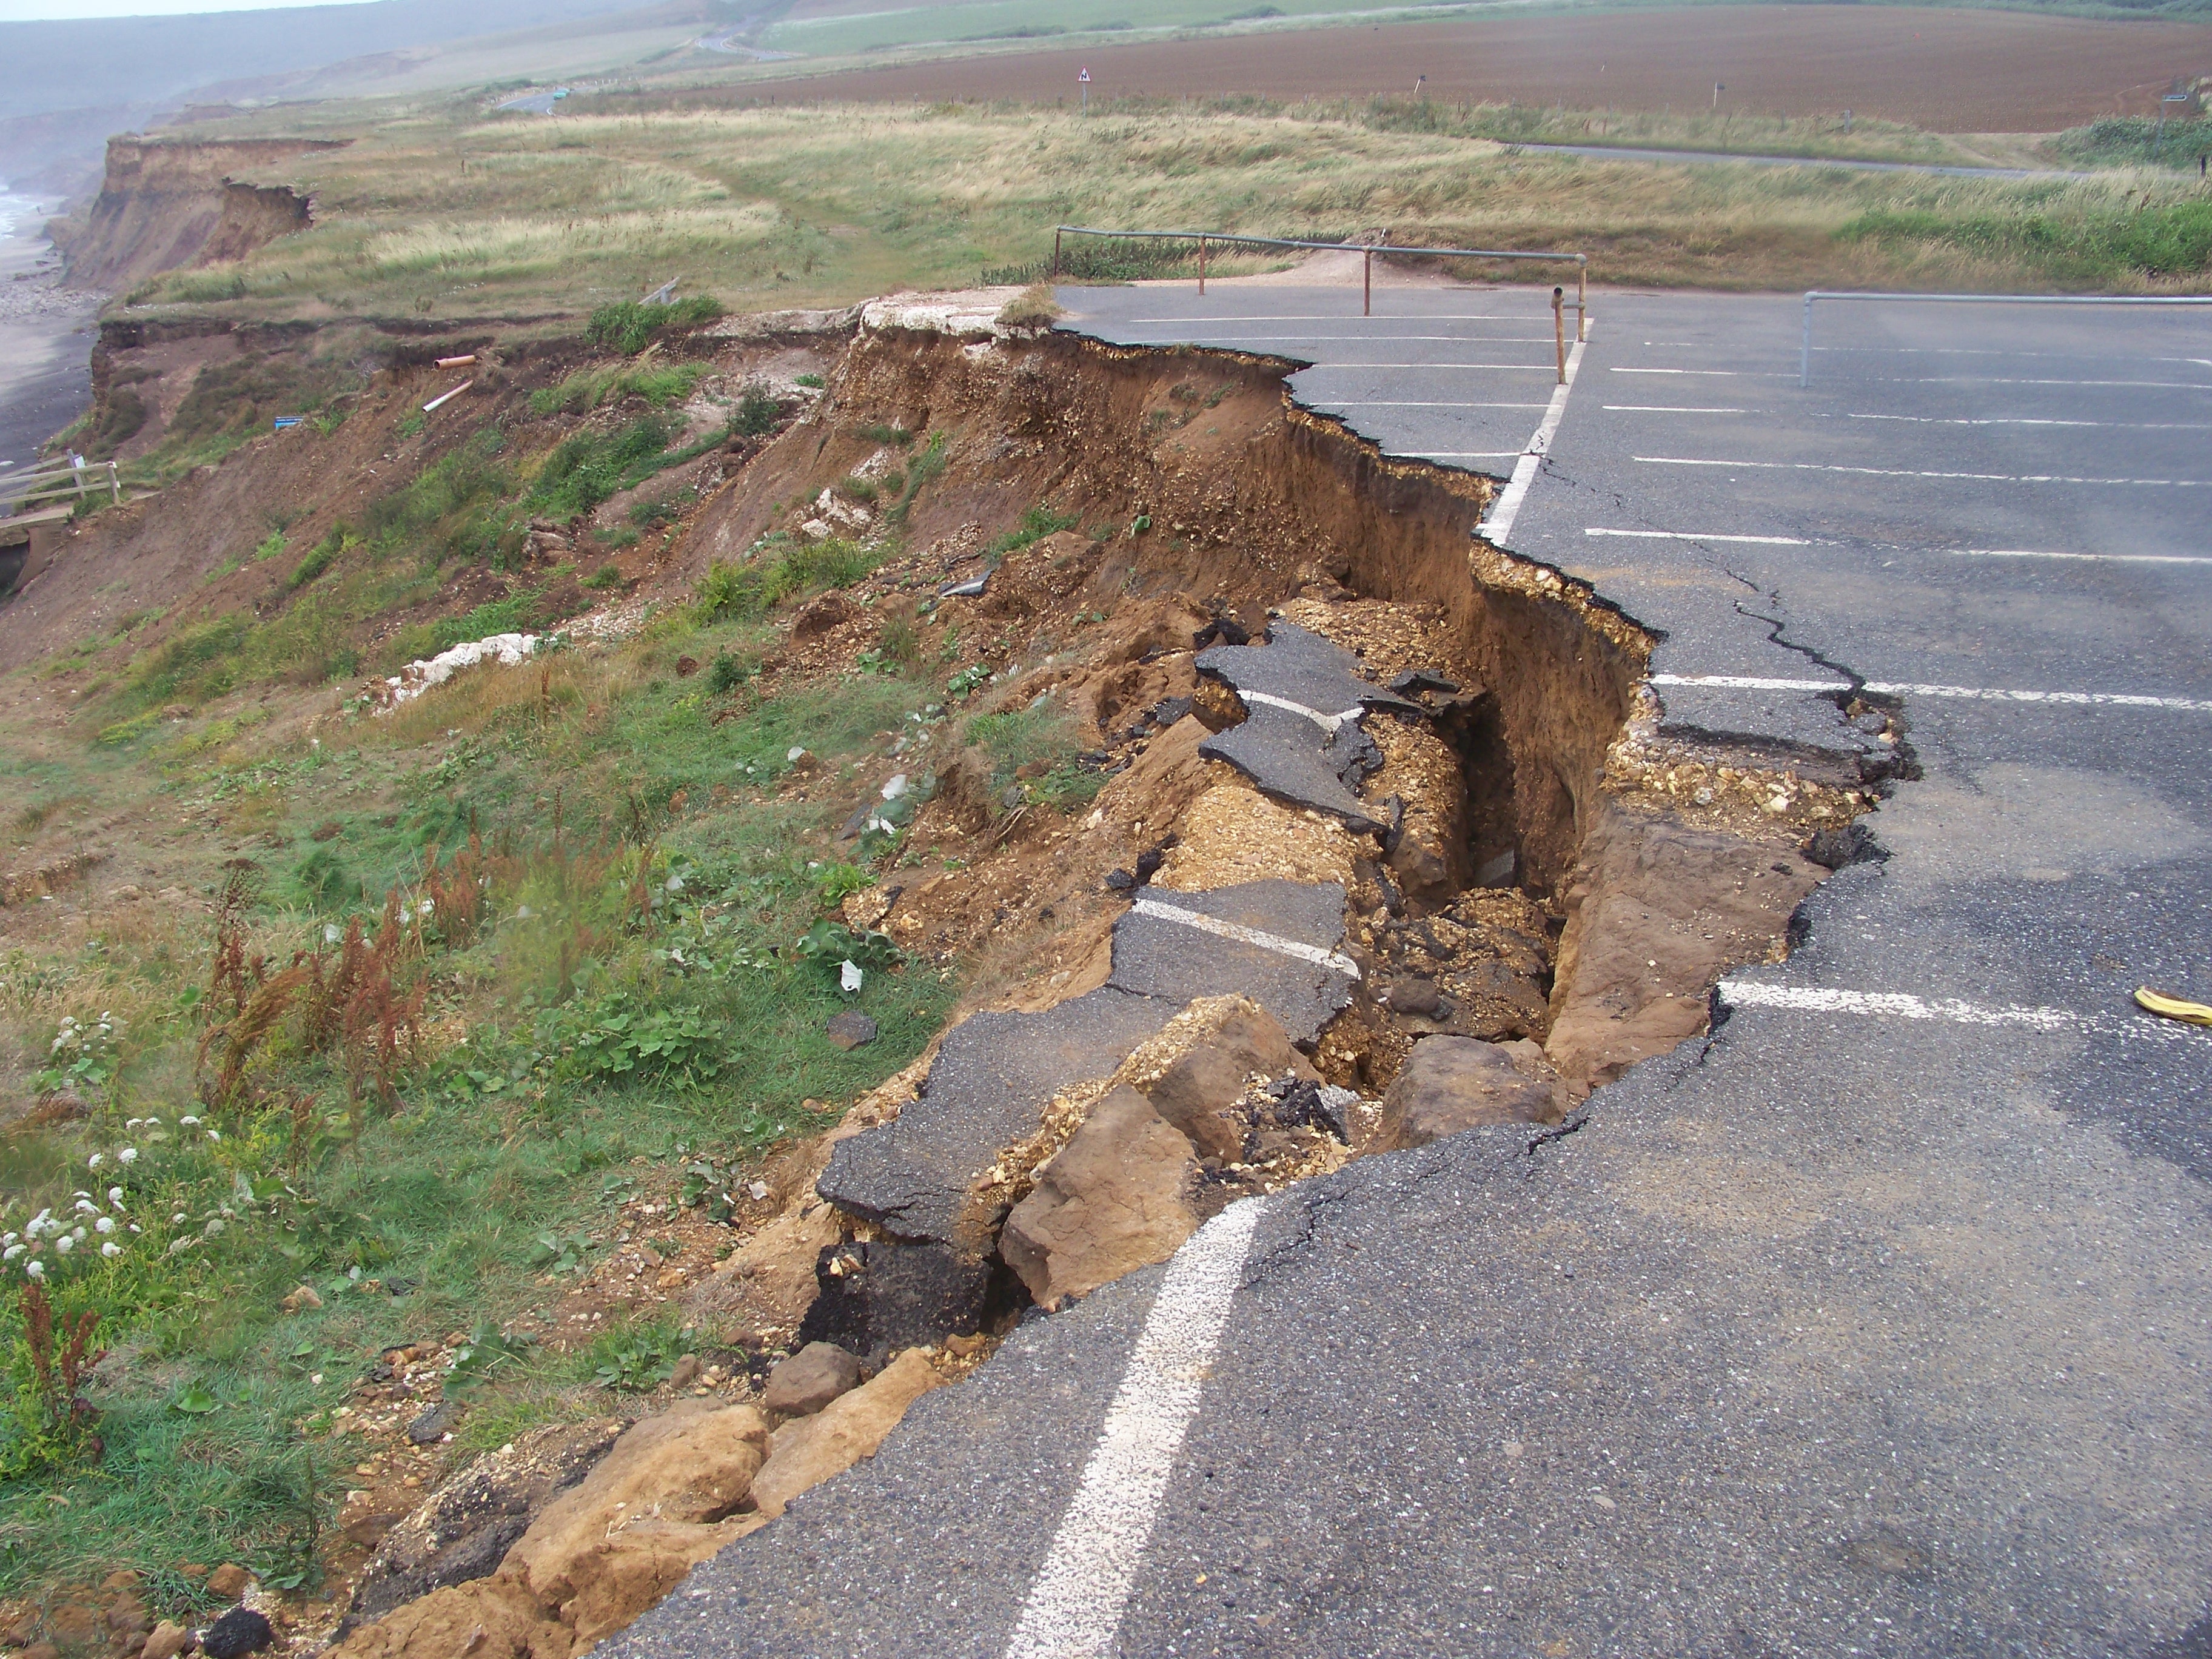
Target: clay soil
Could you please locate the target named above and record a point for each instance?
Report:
(1948, 71)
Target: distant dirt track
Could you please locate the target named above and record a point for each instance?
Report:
(1948, 71)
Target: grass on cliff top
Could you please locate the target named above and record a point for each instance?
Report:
(435, 212)
(629, 1001)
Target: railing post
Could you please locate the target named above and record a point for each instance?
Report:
(1201, 267)
(1367, 282)
(1055, 253)
(1582, 301)
(1805, 353)
(1560, 329)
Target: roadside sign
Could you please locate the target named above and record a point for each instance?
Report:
(283, 420)
(1084, 78)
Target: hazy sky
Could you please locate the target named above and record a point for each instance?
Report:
(19, 11)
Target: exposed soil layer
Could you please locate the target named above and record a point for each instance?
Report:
(164, 204)
(1949, 71)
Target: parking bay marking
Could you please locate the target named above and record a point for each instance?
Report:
(1908, 472)
(1967, 693)
(1951, 552)
(1900, 1005)
(1075, 1606)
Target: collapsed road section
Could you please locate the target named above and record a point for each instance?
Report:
(1388, 851)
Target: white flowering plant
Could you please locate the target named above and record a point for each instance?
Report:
(83, 1056)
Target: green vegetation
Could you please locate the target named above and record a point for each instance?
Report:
(1035, 747)
(499, 1043)
(2071, 251)
(629, 326)
(588, 388)
(2135, 141)
(791, 204)
(781, 569)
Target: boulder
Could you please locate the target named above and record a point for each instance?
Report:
(811, 1379)
(1448, 1084)
(237, 1633)
(1194, 1091)
(1116, 1197)
(167, 1641)
(810, 1451)
(615, 1543)
(467, 1526)
(494, 1618)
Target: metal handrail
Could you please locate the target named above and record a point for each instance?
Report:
(1805, 353)
(1581, 261)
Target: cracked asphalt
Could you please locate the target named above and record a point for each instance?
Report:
(1875, 1323)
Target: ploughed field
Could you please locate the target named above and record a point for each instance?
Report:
(1948, 71)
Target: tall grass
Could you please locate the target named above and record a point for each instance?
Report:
(826, 204)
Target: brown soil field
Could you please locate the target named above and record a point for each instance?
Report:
(1948, 71)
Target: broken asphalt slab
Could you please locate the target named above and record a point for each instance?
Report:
(1293, 760)
(1273, 941)
(1298, 666)
(993, 1078)
(1300, 741)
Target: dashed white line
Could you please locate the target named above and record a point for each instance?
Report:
(1075, 1606)
(1899, 1004)
(1243, 935)
(1909, 472)
(1698, 536)
(1970, 693)
(1499, 524)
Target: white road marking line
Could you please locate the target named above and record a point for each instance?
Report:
(2022, 420)
(1423, 316)
(1691, 536)
(1723, 374)
(1327, 722)
(1243, 935)
(1991, 380)
(1404, 403)
(1461, 454)
(1751, 994)
(2093, 558)
(1075, 1608)
(1665, 409)
(1898, 1004)
(1203, 328)
(1969, 693)
(1907, 472)
(1507, 507)
(1950, 552)
(1525, 369)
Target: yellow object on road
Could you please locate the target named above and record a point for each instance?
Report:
(2157, 1002)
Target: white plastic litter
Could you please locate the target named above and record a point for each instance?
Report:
(850, 976)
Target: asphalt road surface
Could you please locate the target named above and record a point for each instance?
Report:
(1877, 1323)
